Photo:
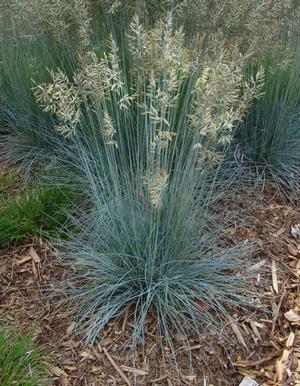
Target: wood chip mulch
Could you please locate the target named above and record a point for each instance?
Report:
(264, 349)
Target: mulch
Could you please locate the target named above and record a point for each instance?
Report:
(263, 346)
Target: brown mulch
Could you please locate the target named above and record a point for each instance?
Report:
(265, 346)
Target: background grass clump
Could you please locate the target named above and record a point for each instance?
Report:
(32, 213)
(36, 37)
(269, 137)
(20, 362)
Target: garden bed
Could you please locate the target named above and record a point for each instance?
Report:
(149, 184)
(271, 355)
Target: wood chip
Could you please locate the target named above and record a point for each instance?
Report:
(65, 381)
(274, 277)
(256, 266)
(162, 378)
(254, 326)
(34, 270)
(106, 342)
(280, 231)
(87, 355)
(70, 329)
(126, 316)
(23, 260)
(58, 372)
(248, 382)
(133, 370)
(117, 368)
(249, 364)
(277, 310)
(285, 356)
(96, 370)
(190, 378)
(279, 371)
(295, 230)
(238, 334)
(292, 316)
(70, 368)
(290, 340)
(34, 255)
(292, 250)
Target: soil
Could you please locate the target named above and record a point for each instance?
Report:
(265, 346)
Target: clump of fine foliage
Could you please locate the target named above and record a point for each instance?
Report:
(31, 213)
(269, 138)
(20, 362)
(148, 121)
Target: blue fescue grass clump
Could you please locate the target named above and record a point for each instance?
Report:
(140, 130)
(269, 137)
(26, 134)
(32, 213)
(167, 263)
(30, 44)
(147, 138)
(20, 362)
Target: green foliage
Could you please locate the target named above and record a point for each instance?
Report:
(20, 362)
(32, 213)
(269, 139)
